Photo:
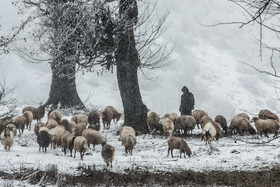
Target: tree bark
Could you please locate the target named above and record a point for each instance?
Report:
(135, 111)
(63, 87)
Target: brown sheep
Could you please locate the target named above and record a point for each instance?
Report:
(107, 116)
(38, 113)
(178, 143)
(28, 119)
(218, 130)
(51, 123)
(37, 126)
(94, 118)
(152, 120)
(93, 137)
(266, 126)
(65, 123)
(70, 143)
(80, 118)
(20, 122)
(172, 117)
(55, 115)
(186, 123)
(94, 127)
(266, 114)
(127, 135)
(72, 124)
(116, 114)
(204, 120)
(222, 121)
(55, 135)
(168, 127)
(80, 145)
(244, 115)
(80, 127)
(241, 125)
(198, 114)
(64, 140)
(107, 153)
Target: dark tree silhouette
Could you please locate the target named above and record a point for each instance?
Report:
(103, 34)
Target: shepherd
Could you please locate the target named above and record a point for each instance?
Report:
(187, 102)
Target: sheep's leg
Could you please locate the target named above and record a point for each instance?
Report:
(39, 148)
(64, 151)
(275, 135)
(266, 135)
(180, 154)
(70, 153)
(111, 164)
(172, 153)
(107, 162)
(81, 155)
(75, 153)
(131, 151)
(45, 149)
(184, 154)
(197, 126)
(168, 151)
(125, 151)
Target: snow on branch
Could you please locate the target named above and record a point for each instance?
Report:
(7, 102)
(87, 32)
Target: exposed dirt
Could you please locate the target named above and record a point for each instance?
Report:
(145, 178)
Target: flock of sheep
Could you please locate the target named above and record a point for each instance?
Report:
(82, 130)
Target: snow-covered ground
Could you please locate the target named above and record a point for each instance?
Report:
(150, 153)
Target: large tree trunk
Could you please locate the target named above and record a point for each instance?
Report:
(63, 87)
(135, 111)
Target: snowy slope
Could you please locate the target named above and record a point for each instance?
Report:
(150, 153)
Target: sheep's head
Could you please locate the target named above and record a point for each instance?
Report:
(103, 143)
(254, 119)
(118, 116)
(207, 134)
(65, 123)
(7, 131)
(41, 109)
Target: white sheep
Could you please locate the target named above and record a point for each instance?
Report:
(7, 138)
(208, 133)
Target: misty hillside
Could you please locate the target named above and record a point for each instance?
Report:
(205, 59)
